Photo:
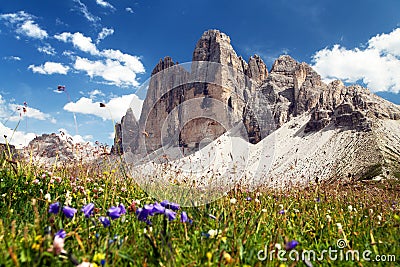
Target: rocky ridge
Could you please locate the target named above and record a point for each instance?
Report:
(290, 89)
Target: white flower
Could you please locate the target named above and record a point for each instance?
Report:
(214, 233)
(257, 200)
(278, 246)
(264, 210)
(339, 226)
(379, 217)
(328, 217)
(296, 210)
(68, 199)
(350, 208)
(233, 201)
(47, 197)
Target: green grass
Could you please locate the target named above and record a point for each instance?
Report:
(369, 216)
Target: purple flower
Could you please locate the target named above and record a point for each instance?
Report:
(61, 233)
(317, 200)
(122, 208)
(184, 217)
(171, 215)
(282, 212)
(291, 245)
(105, 221)
(88, 210)
(54, 208)
(142, 214)
(114, 212)
(170, 205)
(248, 198)
(158, 208)
(69, 212)
(149, 209)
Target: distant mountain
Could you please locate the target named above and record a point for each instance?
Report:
(317, 131)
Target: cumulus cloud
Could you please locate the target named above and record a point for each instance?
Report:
(47, 49)
(104, 33)
(377, 65)
(82, 8)
(79, 41)
(29, 113)
(110, 70)
(24, 24)
(115, 107)
(105, 4)
(129, 9)
(50, 68)
(17, 138)
(113, 66)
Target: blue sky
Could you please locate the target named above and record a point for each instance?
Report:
(103, 50)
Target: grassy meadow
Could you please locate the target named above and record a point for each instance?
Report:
(95, 215)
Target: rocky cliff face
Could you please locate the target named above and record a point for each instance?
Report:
(262, 100)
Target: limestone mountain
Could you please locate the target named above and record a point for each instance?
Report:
(321, 130)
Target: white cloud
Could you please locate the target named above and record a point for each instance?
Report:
(29, 113)
(117, 68)
(15, 58)
(31, 29)
(85, 12)
(79, 41)
(50, 68)
(105, 4)
(116, 107)
(104, 33)
(110, 70)
(129, 9)
(93, 94)
(17, 138)
(47, 49)
(377, 65)
(25, 24)
(132, 62)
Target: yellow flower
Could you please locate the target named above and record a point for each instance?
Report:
(35, 246)
(209, 256)
(227, 257)
(99, 256)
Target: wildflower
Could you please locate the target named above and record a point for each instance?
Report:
(248, 198)
(184, 217)
(88, 210)
(350, 208)
(105, 221)
(36, 181)
(209, 256)
(54, 208)
(61, 233)
(317, 200)
(69, 212)
(264, 210)
(171, 215)
(68, 199)
(170, 205)
(99, 257)
(291, 245)
(227, 257)
(233, 200)
(116, 212)
(278, 246)
(282, 212)
(328, 218)
(257, 200)
(58, 245)
(158, 208)
(142, 214)
(213, 233)
(47, 197)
